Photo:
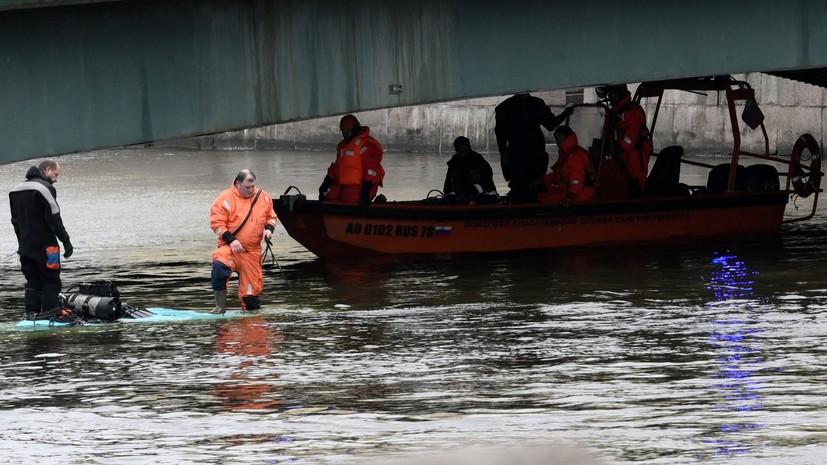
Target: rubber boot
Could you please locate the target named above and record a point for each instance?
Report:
(220, 302)
(33, 300)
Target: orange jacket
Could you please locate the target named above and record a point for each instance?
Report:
(357, 160)
(570, 173)
(632, 135)
(230, 209)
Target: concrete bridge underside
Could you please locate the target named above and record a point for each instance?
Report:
(80, 75)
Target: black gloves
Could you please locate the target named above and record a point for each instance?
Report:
(67, 249)
(364, 198)
(328, 181)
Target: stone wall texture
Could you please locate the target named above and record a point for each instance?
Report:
(698, 122)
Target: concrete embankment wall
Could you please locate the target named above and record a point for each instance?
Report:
(698, 122)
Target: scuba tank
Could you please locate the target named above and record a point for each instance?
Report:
(95, 300)
(95, 306)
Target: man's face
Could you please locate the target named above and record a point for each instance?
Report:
(52, 174)
(347, 128)
(247, 187)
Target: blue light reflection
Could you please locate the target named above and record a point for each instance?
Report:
(734, 339)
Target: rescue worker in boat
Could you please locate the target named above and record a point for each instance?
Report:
(356, 174)
(241, 216)
(632, 142)
(572, 176)
(521, 142)
(35, 216)
(469, 179)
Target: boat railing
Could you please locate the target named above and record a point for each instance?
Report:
(803, 173)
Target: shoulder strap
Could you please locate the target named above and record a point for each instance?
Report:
(248, 214)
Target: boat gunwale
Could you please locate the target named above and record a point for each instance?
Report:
(423, 210)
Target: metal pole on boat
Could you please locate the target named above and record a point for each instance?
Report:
(273, 256)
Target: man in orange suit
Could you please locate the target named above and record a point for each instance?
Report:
(357, 173)
(242, 216)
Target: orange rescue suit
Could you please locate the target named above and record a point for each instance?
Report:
(357, 160)
(227, 213)
(632, 135)
(569, 175)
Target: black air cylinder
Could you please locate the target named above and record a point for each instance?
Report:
(102, 308)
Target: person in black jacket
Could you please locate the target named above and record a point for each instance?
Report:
(469, 178)
(35, 216)
(521, 142)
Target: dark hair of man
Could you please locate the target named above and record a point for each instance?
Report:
(461, 141)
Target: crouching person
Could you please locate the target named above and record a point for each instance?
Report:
(469, 179)
(570, 179)
(242, 216)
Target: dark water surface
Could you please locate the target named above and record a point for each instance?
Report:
(657, 355)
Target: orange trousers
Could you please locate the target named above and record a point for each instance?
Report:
(247, 265)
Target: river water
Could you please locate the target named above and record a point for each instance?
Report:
(708, 354)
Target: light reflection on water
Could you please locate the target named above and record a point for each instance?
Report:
(662, 355)
(737, 338)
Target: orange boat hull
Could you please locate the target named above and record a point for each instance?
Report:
(338, 231)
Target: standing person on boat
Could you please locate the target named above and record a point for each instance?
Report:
(241, 217)
(469, 179)
(631, 139)
(357, 173)
(35, 216)
(572, 176)
(521, 142)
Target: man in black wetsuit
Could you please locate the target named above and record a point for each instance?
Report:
(521, 142)
(35, 216)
